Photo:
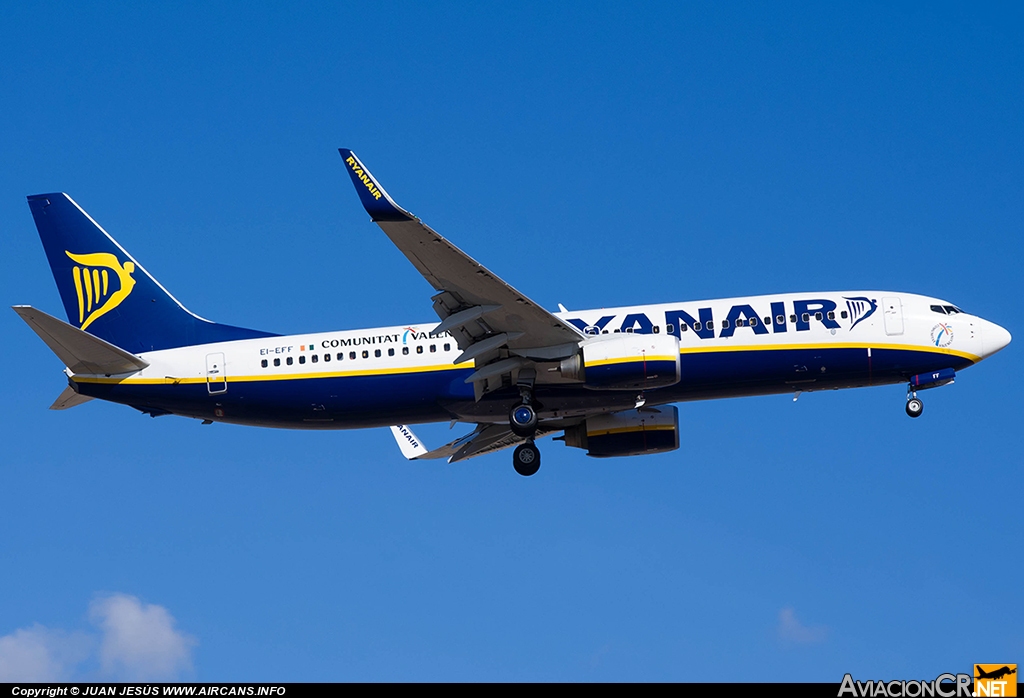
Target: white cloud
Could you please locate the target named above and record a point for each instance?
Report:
(135, 642)
(792, 630)
(40, 654)
(139, 641)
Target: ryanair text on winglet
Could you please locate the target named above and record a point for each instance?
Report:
(943, 686)
(409, 437)
(363, 177)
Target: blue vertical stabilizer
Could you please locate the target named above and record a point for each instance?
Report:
(109, 294)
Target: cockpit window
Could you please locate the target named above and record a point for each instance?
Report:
(952, 309)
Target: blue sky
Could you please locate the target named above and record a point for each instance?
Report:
(597, 156)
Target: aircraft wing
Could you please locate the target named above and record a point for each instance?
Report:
(483, 313)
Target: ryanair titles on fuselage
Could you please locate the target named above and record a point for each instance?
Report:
(798, 313)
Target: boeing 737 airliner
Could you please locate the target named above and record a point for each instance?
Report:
(606, 379)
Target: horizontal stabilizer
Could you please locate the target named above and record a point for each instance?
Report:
(80, 351)
(68, 399)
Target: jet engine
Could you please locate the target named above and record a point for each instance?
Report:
(625, 361)
(629, 433)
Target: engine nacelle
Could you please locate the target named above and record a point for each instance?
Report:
(629, 433)
(626, 361)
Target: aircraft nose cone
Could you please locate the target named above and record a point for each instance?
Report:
(995, 338)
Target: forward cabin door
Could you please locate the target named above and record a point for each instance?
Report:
(893, 314)
(216, 377)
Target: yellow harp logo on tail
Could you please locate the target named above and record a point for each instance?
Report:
(97, 294)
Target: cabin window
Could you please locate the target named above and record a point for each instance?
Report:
(780, 320)
(376, 353)
(656, 329)
(447, 347)
(277, 362)
(352, 355)
(314, 358)
(670, 329)
(629, 330)
(697, 326)
(818, 316)
(327, 357)
(419, 349)
(615, 331)
(366, 353)
(263, 363)
(725, 323)
(792, 318)
(683, 327)
(391, 351)
(752, 322)
(843, 314)
(302, 359)
(289, 361)
(341, 356)
(806, 317)
(767, 320)
(831, 315)
(433, 348)
(604, 331)
(405, 350)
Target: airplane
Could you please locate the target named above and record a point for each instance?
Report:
(606, 380)
(995, 674)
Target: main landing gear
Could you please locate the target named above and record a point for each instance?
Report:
(526, 459)
(522, 420)
(914, 405)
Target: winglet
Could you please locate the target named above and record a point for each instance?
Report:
(408, 442)
(375, 200)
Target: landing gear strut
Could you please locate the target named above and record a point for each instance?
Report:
(914, 405)
(522, 420)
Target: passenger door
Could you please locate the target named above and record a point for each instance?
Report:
(216, 376)
(892, 311)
